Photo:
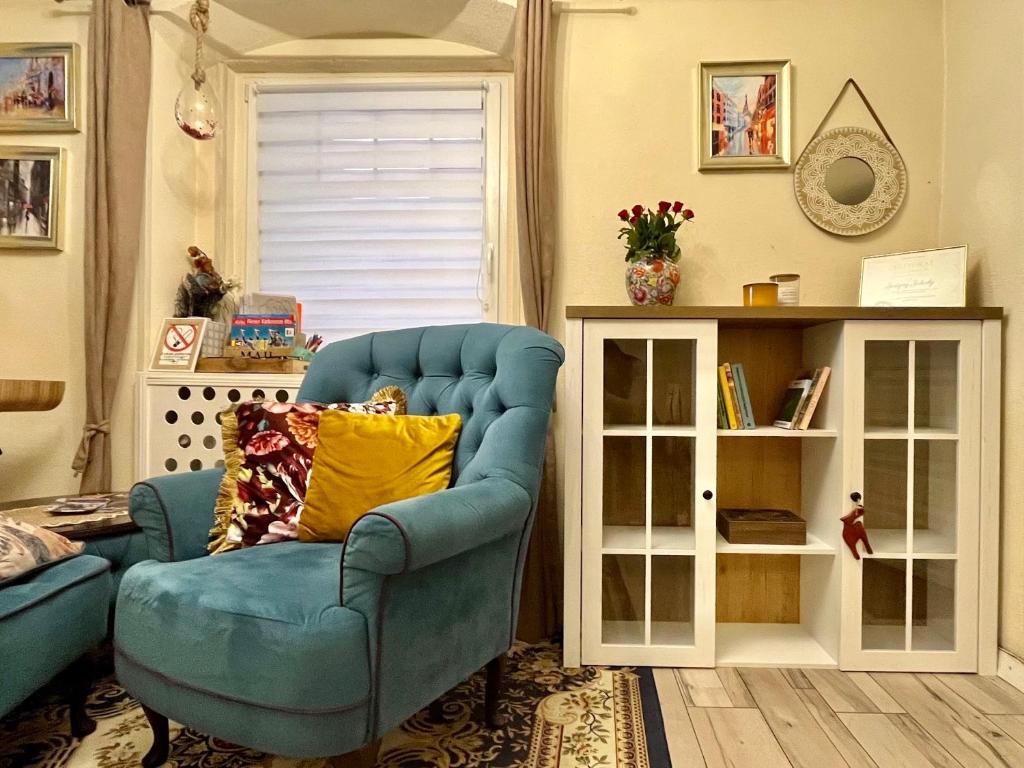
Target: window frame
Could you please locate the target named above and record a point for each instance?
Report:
(241, 234)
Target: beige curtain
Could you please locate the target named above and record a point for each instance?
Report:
(118, 85)
(540, 613)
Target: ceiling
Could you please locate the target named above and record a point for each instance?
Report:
(247, 26)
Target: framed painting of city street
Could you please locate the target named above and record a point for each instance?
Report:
(744, 115)
(31, 197)
(38, 88)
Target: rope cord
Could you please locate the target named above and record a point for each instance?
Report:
(199, 18)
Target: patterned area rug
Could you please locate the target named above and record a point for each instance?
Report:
(592, 717)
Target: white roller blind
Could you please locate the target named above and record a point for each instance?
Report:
(371, 205)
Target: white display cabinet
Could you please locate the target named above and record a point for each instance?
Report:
(649, 581)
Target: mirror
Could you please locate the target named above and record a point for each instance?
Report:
(849, 180)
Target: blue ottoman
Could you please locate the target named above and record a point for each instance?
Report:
(48, 621)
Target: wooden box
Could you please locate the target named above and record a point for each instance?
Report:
(761, 526)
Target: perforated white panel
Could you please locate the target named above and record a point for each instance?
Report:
(179, 416)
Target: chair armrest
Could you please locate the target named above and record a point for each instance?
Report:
(411, 534)
(176, 513)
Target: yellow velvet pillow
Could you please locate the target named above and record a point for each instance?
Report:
(364, 461)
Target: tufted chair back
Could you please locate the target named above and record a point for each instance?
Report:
(499, 378)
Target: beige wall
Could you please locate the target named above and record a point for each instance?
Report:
(41, 299)
(627, 105)
(41, 302)
(983, 201)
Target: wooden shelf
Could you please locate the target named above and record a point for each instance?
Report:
(663, 633)
(640, 430)
(672, 633)
(814, 546)
(928, 544)
(777, 432)
(622, 633)
(768, 645)
(631, 539)
(921, 433)
(793, 316)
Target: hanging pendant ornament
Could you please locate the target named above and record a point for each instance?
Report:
(196, 107)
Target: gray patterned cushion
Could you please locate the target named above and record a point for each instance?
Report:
(25, 547)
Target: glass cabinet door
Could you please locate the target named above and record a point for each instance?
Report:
(648, 459)
(914, 445)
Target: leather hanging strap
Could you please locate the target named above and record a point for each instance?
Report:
(874, 115)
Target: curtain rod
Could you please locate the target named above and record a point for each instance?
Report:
(560, 8)
(126, 2)
(212, 42)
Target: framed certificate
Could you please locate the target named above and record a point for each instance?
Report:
(932, 278)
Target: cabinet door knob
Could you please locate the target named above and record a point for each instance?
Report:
(855, 497)
(708, 495)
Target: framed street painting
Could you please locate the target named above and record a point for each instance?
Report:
(38, 87)
(31, 197)
(744, 115)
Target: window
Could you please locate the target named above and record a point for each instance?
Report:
(378, 203)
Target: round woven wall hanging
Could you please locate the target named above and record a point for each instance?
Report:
(817, 192)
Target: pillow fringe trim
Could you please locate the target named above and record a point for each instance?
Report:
(384, 394)
(227, 495)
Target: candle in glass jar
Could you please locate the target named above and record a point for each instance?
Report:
(789, 289)
(760, 294)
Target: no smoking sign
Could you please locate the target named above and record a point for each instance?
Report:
(179, 344)
(180, 338)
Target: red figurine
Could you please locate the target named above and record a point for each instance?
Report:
(854, 531)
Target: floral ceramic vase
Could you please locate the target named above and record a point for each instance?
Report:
(651, 281)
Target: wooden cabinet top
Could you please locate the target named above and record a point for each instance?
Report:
(796, 316)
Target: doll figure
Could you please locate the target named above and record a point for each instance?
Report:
(854, 531)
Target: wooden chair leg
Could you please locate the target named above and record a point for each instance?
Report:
(365, 757)
(436, 711)
(157, 754)
(492, 693)
(79, 679)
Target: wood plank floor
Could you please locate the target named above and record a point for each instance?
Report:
(818, 718)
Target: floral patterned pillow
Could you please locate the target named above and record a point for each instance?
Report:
(268, 453)
(25, 548)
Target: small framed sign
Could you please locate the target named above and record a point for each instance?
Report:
(179, 344)
(932, 278)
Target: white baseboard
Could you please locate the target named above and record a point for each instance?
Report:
(1011, 669)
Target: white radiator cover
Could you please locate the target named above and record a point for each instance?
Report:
(178, 427)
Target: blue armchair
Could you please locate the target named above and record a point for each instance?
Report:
(319, 649)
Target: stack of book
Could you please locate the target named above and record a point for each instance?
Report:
(734, 409)
(801, 399)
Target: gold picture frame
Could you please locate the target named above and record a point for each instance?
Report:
(735, 134)
(39, 87)
(32, 198)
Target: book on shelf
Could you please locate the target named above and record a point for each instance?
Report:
(723, 417)
(744, 395)
(733, 396)
(796, 393)
(818, 382)
(730, 411)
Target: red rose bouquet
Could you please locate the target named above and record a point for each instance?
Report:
(651, 234)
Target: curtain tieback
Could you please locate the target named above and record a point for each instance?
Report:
(83, 453)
